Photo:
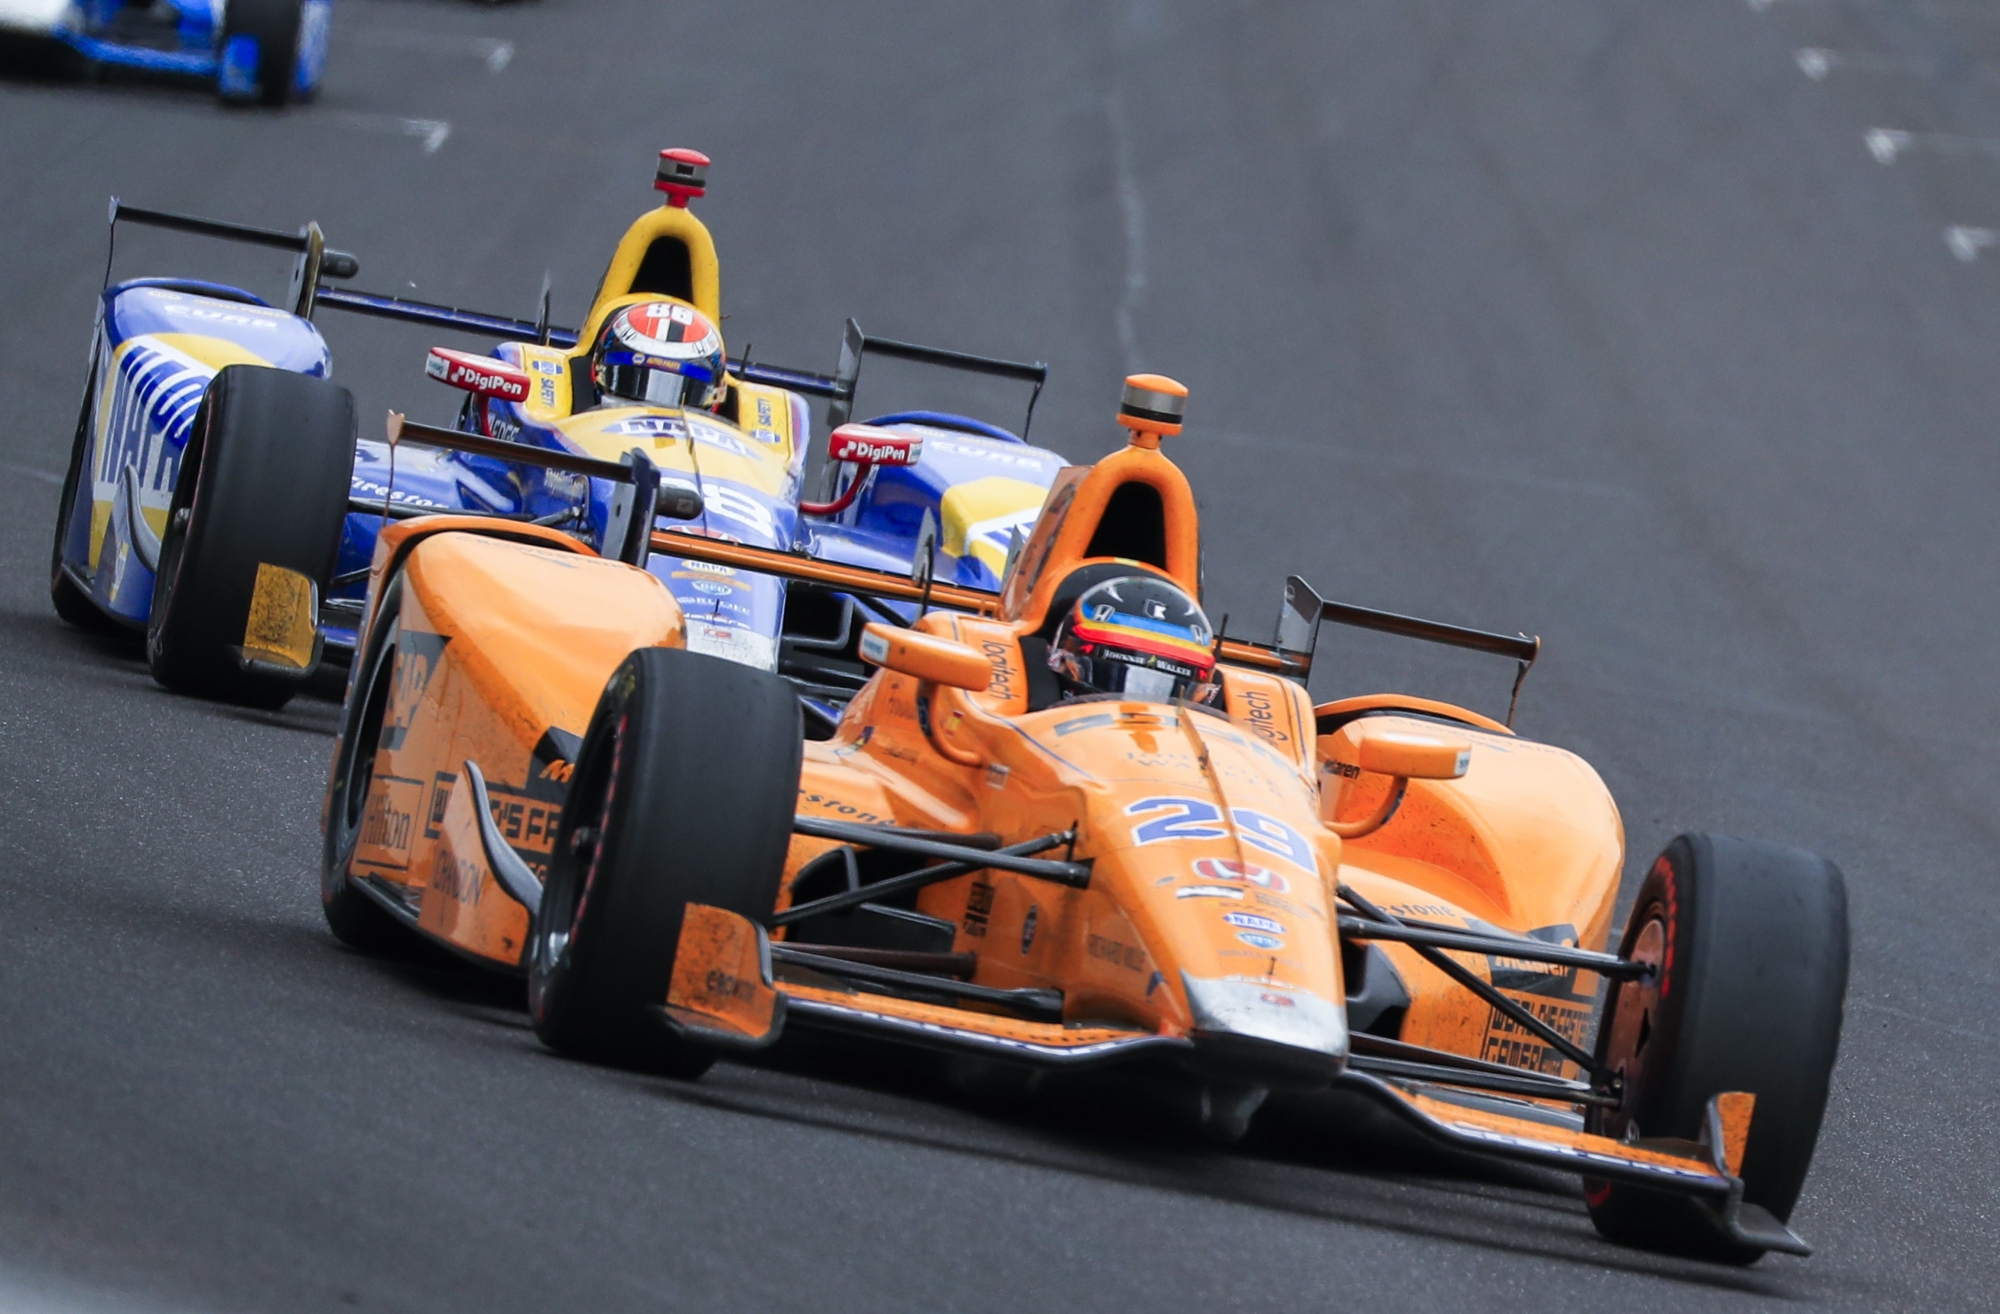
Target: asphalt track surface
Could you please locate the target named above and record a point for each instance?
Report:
(1599, 320)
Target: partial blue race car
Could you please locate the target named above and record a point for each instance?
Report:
(216, 464)
(256, 51)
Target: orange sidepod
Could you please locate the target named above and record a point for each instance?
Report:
(1527, 841)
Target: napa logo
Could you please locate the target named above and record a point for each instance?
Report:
(710, 436)
(648, 426)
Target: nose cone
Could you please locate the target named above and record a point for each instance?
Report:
(1271, 1034)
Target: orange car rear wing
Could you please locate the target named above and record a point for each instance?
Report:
(1299, 622)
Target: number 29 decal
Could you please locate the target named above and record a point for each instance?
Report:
(1198, 819)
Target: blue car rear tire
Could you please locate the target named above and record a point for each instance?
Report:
(260, 50)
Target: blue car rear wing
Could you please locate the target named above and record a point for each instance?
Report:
(318, 262)
(854, 345)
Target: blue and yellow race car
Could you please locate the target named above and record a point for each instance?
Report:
(216, 476)
(255, 51)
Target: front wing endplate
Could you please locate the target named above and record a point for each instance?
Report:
(1704, 1169)
(723, 994)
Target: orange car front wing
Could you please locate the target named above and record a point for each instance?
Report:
(724, 994)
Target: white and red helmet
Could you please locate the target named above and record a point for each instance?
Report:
(661, 353)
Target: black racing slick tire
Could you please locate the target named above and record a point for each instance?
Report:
(274, 25)
(683, 792)
(1750, 942)
(265, 479)
(355, 919)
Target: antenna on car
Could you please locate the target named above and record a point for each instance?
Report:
(542, 320)
(1152, 408)
(923, 561)
(683, 176)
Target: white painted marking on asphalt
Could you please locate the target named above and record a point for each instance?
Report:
(1132, 208)
(494, 52)
(1965, 243)
(433, 132)
(1816, 63)
(1884, 143)
(1887, 144)
(1945, 7)
(32, 471)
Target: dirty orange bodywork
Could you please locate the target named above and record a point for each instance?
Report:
(494, 648)
(1209, 926)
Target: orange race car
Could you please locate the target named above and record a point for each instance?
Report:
(1067, 826)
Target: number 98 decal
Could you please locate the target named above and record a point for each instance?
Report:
(1198, 819)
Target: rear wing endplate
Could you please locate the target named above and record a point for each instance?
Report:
(1298, 632)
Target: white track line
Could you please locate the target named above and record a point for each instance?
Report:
(1966, 243)
(1132, 209)
(1888, 144)
(495, 53)
(433, 132)
(1943, 7)
(32, 471)
(1816, 63)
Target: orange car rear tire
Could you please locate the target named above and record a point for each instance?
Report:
(1751, 945)
(683, 792)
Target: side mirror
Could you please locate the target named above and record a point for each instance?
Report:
(482, 376)
(1403, 757)
(1413, 757)
(864, 445)
(679, 502)
(925, 656)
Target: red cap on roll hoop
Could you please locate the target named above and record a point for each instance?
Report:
(1152, 407)
(683, 175)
